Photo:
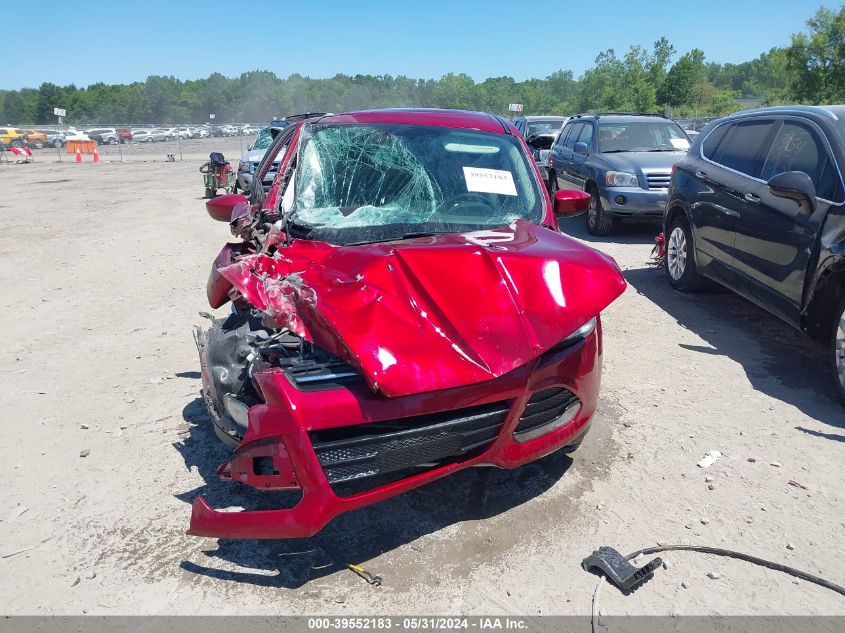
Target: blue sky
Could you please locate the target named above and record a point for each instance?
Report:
(124, 40)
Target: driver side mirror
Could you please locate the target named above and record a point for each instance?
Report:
(569, 202)
(221, 207)
(249, 147)
(795, 185)
(581, 148)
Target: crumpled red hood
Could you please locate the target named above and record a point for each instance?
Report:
(438, 312)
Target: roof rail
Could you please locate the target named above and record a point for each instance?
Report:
(662, 115)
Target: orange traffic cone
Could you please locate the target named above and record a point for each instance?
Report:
(96, 156)
(78, 158)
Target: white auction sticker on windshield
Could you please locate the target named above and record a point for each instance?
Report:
(489, 181)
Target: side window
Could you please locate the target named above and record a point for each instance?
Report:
(573, 135)
(797, 147)
(563, 134)
(587, 136)
(743, 145)
(711, 143)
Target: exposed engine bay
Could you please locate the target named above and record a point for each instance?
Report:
(232, 349)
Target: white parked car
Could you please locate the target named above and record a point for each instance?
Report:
(201, 132)
(72, 134)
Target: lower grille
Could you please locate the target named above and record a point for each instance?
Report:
(378, 448)
(658, 181)
(545, 406)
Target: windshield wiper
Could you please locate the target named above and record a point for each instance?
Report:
(413, 234)
(674, 149)
(398, 237)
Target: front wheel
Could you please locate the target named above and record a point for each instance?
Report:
(57, 143)
(38, 145)
(837, 344)
(681, 270)
(599, 223)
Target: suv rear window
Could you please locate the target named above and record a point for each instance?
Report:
(711, 143)
(741, 148)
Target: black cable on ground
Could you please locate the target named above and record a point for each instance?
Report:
(746, 557)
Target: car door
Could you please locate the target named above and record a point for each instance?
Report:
(775, 236)
(578, 170)
(730, 160)
(563, 157)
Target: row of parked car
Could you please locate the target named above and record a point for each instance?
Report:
(52, 137)
(754, 201)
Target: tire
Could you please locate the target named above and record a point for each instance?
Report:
(58, 143)
(599, 223)
(112, 141)
(681, 270)
(837, 348)
(38, 144)
(149, 139)
(208, 193)
(16, 143)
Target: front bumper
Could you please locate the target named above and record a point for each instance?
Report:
(634, 202)
(283, 430)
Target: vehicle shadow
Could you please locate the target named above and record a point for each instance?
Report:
(354, 537)
(623, 232)
(779, 361)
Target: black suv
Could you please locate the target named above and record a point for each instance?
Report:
(758, 205)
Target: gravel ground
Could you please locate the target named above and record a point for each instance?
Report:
(104, 268)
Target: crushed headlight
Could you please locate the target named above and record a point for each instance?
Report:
(621, 179)
(582, 332)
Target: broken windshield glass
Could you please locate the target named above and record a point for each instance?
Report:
(264, 139)
(355, 176)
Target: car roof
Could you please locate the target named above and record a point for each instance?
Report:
(437, 117)
(620, 118)
(543, 117)
(835, 112)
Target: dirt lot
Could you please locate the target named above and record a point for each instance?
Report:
(104, 269)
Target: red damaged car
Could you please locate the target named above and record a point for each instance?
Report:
(403, 307)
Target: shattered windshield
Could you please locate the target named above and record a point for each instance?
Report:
(416, 179)
(544, 126)
(263, 140)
